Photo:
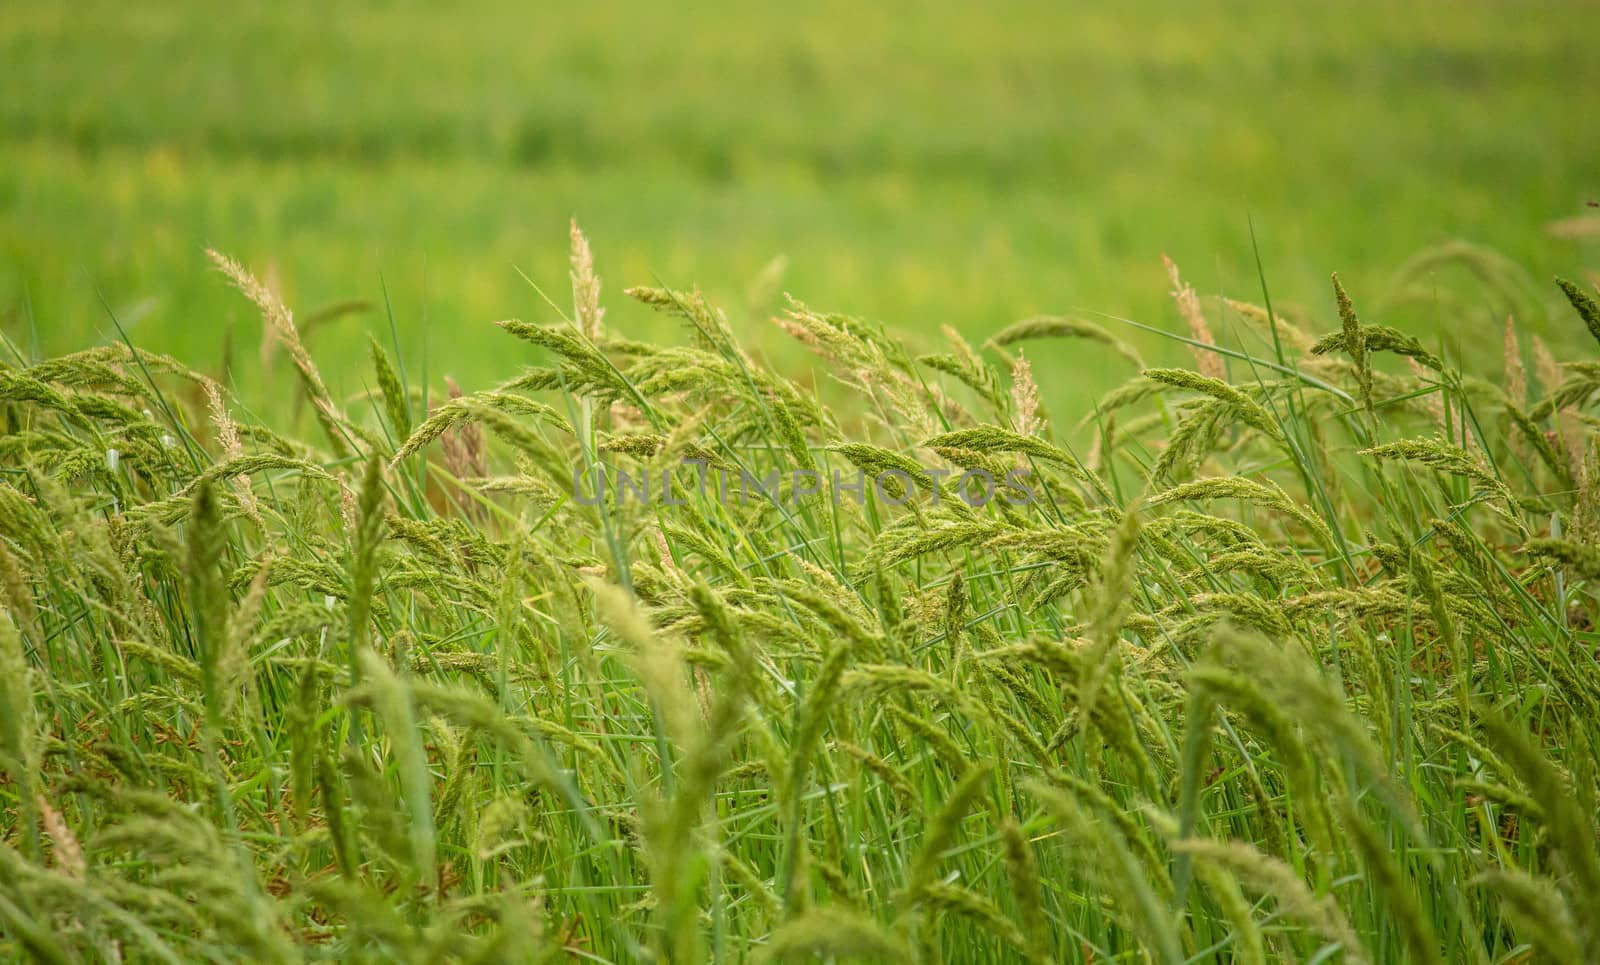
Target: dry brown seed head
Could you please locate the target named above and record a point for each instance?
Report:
(1024, 397)
(1208, 362)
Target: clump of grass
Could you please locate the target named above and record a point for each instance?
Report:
(1292, 668)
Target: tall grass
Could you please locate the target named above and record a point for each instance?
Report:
(1295, 661)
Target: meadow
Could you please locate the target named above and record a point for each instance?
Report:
(942, 164)
(330, 629)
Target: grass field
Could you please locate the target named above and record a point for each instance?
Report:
(1297, 666)
(928, 165)
(337, 622)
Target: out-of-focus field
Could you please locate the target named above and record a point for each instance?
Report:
(925, 164)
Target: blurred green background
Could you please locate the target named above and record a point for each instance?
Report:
(922, 163)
